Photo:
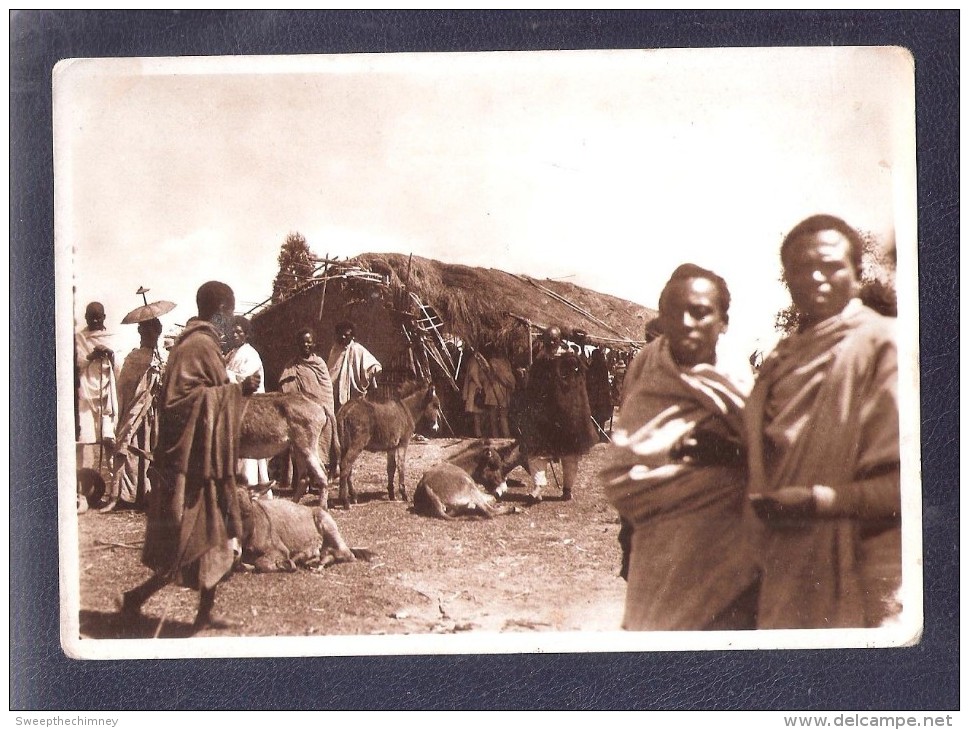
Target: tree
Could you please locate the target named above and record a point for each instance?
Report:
(877, 285)
(295, 267)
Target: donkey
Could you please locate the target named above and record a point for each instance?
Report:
(447, 491)
(489, 461)
(280, 536)
(454, 488)
(274, 422)
(367, 425)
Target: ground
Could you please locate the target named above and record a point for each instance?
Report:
(551, 567)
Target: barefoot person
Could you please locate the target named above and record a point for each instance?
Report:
(97, 395)
(193, 523)
(557, 421)
(138, 385)
(240, 362)
(308, 374)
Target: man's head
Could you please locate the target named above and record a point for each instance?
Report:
(216, 302)
(552, 339)
(149, 331)
(241, 331)
(343, 332)
(822, 267)
(693, 312)
(305, 342)
(94, 316)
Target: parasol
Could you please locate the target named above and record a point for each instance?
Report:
(147, 311)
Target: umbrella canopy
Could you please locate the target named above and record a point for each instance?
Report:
(148, 311)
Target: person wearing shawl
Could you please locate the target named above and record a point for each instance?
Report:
(675, 471)
(193, 526)
(498, 390)
(308, 374)
(557, 423)
(240, 362)
(97, 394)
(138, 385)
(822, 425)
(352, 367)
(477, 372)
(600, 391)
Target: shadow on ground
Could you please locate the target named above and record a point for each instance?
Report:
(102, 625)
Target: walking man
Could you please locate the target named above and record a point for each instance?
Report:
(194, 524)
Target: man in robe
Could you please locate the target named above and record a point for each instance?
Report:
(194, 525)
(138, 385)
(308, 374)
(822, 431)
(474, 388)
(240, 362)
(676, 471)
(498, 391)
(352, 367)
(600, 391)
(97, 395)
(557, 422)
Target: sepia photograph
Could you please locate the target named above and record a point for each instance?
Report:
(487, 353)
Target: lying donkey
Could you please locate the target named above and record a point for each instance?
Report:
(281, 536)
(451, 489)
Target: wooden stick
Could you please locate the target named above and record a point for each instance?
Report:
(576, 307)
(326, 263)
(161, 621)
(129, 546)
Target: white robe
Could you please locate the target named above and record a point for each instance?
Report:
(240, 363)
(352, 369)
(97, 393)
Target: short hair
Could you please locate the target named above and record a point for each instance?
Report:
(824, 222)
(547, 334)
(150, 327)
(343, 326)
(302, 333)
(244, 324)
(211, 296)
(94, 308)
(692, 271)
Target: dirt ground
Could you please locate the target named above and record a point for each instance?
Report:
(551, 567)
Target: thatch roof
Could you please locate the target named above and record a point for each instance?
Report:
(482, 305)
(383, 295)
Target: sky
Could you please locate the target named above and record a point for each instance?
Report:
(604, 168)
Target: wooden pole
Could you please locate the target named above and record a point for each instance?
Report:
(572, 305)
(326, 266)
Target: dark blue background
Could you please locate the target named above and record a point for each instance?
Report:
(41, 677)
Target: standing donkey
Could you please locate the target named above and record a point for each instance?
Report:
(365, 425)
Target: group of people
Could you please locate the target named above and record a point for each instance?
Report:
(781, 508)
(774, 509)
(494, 394)
(116, 418)
(117, 409)
(487, 391)
(194, 530)
(561, 402)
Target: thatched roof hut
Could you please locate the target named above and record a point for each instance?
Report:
(415, 314)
